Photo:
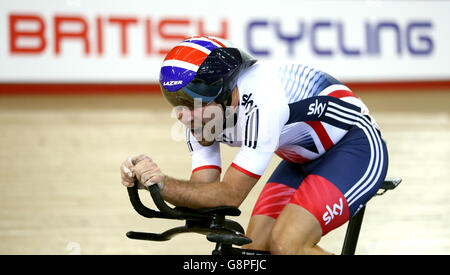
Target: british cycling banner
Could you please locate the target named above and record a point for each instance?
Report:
(94, 41)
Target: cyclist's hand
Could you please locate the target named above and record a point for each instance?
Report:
(147, 172)
(128, 175)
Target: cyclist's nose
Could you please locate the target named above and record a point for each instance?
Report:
(188, 116)
(184, 115)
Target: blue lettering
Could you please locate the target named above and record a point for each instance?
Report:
(250, 28)
(414, 38)
(341, 39)
(376, 36)
(290, 40)
(314, 28)
(369, 39)
(427, 43)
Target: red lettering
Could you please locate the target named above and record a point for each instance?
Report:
(148, 37)
(27, 32)
(123, 24)
(15, 34)
(223, 33)
(60, 34)
(163, 24)
(99, 36)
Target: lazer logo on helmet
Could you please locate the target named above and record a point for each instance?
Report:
(173, 82)
(194, 67)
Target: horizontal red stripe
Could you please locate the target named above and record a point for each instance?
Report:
(187, 54)
(81, 88)
(207, 167)
(217, 41)
(341, 94)
(397, 85)
(248, 173)
(77, 88)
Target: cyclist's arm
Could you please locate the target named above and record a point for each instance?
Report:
(206, 175)
(199, 193)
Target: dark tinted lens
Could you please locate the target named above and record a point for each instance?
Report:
(202, 91)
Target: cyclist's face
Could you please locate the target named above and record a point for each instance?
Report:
(204, 122)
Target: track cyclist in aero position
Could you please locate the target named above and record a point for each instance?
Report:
(333, 156)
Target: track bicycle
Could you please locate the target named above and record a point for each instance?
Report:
(228, 235)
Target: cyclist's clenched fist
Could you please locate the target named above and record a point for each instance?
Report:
(142, 169)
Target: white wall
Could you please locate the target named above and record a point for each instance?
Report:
(339, 37)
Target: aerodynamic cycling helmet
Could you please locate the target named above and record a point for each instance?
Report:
(204, 68)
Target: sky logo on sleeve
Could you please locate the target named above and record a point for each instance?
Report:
(316, 108)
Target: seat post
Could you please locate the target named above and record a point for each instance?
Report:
(352, 234)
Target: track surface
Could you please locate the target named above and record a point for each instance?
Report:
(60, 190)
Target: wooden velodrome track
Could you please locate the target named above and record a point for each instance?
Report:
(60, 190)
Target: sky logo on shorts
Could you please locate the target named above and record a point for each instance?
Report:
(333, 212)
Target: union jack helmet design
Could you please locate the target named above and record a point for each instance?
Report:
(203, 68)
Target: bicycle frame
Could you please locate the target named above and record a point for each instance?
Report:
(224, 232)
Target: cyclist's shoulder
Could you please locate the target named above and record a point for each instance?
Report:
(259, 74)
(261, 83)
(261, 94)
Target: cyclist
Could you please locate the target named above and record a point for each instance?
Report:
(333, 156)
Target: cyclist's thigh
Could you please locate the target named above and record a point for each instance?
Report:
(279, 189)
(275, 195)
